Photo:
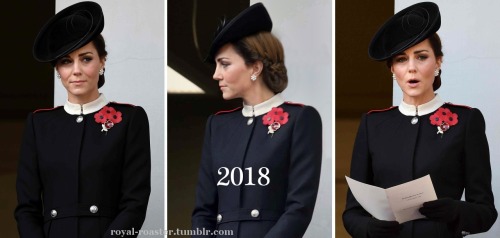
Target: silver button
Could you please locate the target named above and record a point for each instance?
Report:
(254, 213)
(219, 218)
(414, 120)
(79, 119)
(53, 213)
(94, 209)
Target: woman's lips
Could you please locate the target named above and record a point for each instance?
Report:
(78, 82)
(413, 82)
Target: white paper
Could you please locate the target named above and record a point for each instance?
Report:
(399, 203)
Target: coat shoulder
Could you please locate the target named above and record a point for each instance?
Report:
(294, 104)
(375, 111)
(122, 104)
(126, 107)
(223, 112)
(41, 110)
(457, 105)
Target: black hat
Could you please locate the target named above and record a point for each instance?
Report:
(405, 29)
(68, 30)
(250, 21)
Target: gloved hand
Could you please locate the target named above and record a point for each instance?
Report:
(443, 209)
(378, 228)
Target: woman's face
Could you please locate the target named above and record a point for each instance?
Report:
(79, 72)
(414, 69)
(232, 73)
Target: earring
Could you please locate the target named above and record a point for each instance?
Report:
(58, 75)
(436, 72)
(101, 71)
(393, 76)
(253, 77)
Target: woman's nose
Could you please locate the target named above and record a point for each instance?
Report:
(76, 68)
(217, 75)
(412, 66)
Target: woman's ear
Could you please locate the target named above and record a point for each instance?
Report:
(257, 68)
(103, 63)
(439, 61)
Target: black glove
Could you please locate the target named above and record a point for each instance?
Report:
(443, 209)
(378, 228)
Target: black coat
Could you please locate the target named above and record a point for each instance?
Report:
(284, 207)
(389, 150)
(68, 167)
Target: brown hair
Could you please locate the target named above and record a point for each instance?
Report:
(100, 46)
(265, 47)
(437, 47)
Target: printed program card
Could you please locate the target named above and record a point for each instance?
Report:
(399, 203)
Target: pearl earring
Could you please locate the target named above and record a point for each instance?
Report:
(253, 77)
(58, 75)
(436, 72)
(393, 76)
(101, 71)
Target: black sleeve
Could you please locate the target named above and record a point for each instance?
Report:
(136, 176)
(303, 176)
(478, 213)
(355, 217)
(205, 210)
(28, 212)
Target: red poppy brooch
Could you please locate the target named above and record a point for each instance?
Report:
(274, 119)
(108, 117)
(443, 119)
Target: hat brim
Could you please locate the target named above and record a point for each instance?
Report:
(56, 39)
(405, 29)
(250, 21)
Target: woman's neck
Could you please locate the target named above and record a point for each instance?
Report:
(419, 100)
(83, 99)
(257, 97)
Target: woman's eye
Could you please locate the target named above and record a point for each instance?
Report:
(422, 57)
(87, 59)
(400, 59)
(64, 61)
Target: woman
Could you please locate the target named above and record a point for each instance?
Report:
(422, 136)
(261, 163)
(84, 169)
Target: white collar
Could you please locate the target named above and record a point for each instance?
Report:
(262, 108)
(426, 108)
(87, 108)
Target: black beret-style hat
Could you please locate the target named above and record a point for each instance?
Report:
(405, 29)
(250, 21)
(70, 29)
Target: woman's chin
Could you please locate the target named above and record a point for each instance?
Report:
(227, 96)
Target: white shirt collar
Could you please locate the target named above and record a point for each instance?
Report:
(426, 108)
(262, 108)
(87, 108)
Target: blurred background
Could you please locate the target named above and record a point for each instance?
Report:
(26, 85)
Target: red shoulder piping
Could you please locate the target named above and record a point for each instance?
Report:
(128, 104)
(227, 111)
(294, 103)
(459, 105)
(382, 110)
(46, 109)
